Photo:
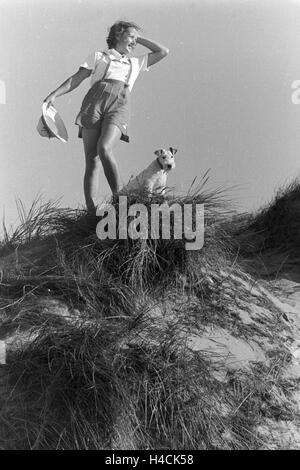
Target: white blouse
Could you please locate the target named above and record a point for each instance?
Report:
(119, 66)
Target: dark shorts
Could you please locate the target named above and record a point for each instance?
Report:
(107, 102)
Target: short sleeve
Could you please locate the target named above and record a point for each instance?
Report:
(139, 64)
(89, 62)
(143, 63)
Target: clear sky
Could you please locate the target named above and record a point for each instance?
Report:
(222, 96)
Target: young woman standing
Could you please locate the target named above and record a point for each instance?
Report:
(105, 111)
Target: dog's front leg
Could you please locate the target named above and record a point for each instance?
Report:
(163, 185)
(150, 187)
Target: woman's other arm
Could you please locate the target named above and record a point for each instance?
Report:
(70, 84)
(158, 51)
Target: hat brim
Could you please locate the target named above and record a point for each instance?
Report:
(43, 129)
(54, 122)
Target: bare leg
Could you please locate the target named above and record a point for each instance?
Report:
(92, 167)
(110, 135)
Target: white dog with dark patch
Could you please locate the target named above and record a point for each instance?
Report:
(154, 177)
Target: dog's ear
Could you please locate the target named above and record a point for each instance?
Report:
(158, 152)
(172, 150)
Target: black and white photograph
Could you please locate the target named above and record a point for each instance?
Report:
(150, 227)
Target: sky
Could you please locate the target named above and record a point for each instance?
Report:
(222, 97)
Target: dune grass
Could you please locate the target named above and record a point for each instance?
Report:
(269, 239)
(99, 354)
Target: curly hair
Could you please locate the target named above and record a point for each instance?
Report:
(118, 28)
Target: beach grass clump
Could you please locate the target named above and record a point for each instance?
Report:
(268, 240)
(130, 383)
(74, 247)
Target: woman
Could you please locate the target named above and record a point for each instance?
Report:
(104, 115)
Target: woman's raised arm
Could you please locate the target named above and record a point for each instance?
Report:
(158, 51)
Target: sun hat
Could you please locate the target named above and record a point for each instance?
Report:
(51, 124)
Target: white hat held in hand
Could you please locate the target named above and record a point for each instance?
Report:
(51, 124)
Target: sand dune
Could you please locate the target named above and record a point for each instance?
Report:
(214, 340)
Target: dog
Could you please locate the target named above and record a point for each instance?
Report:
(154, 177)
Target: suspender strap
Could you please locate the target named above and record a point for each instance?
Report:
(130, 72)
(107, 67)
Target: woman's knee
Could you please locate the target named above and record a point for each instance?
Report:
(104, 150)
(92, 160)
(110, 135)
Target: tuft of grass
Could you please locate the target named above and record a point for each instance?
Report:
(125, 383)
(268, 241)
